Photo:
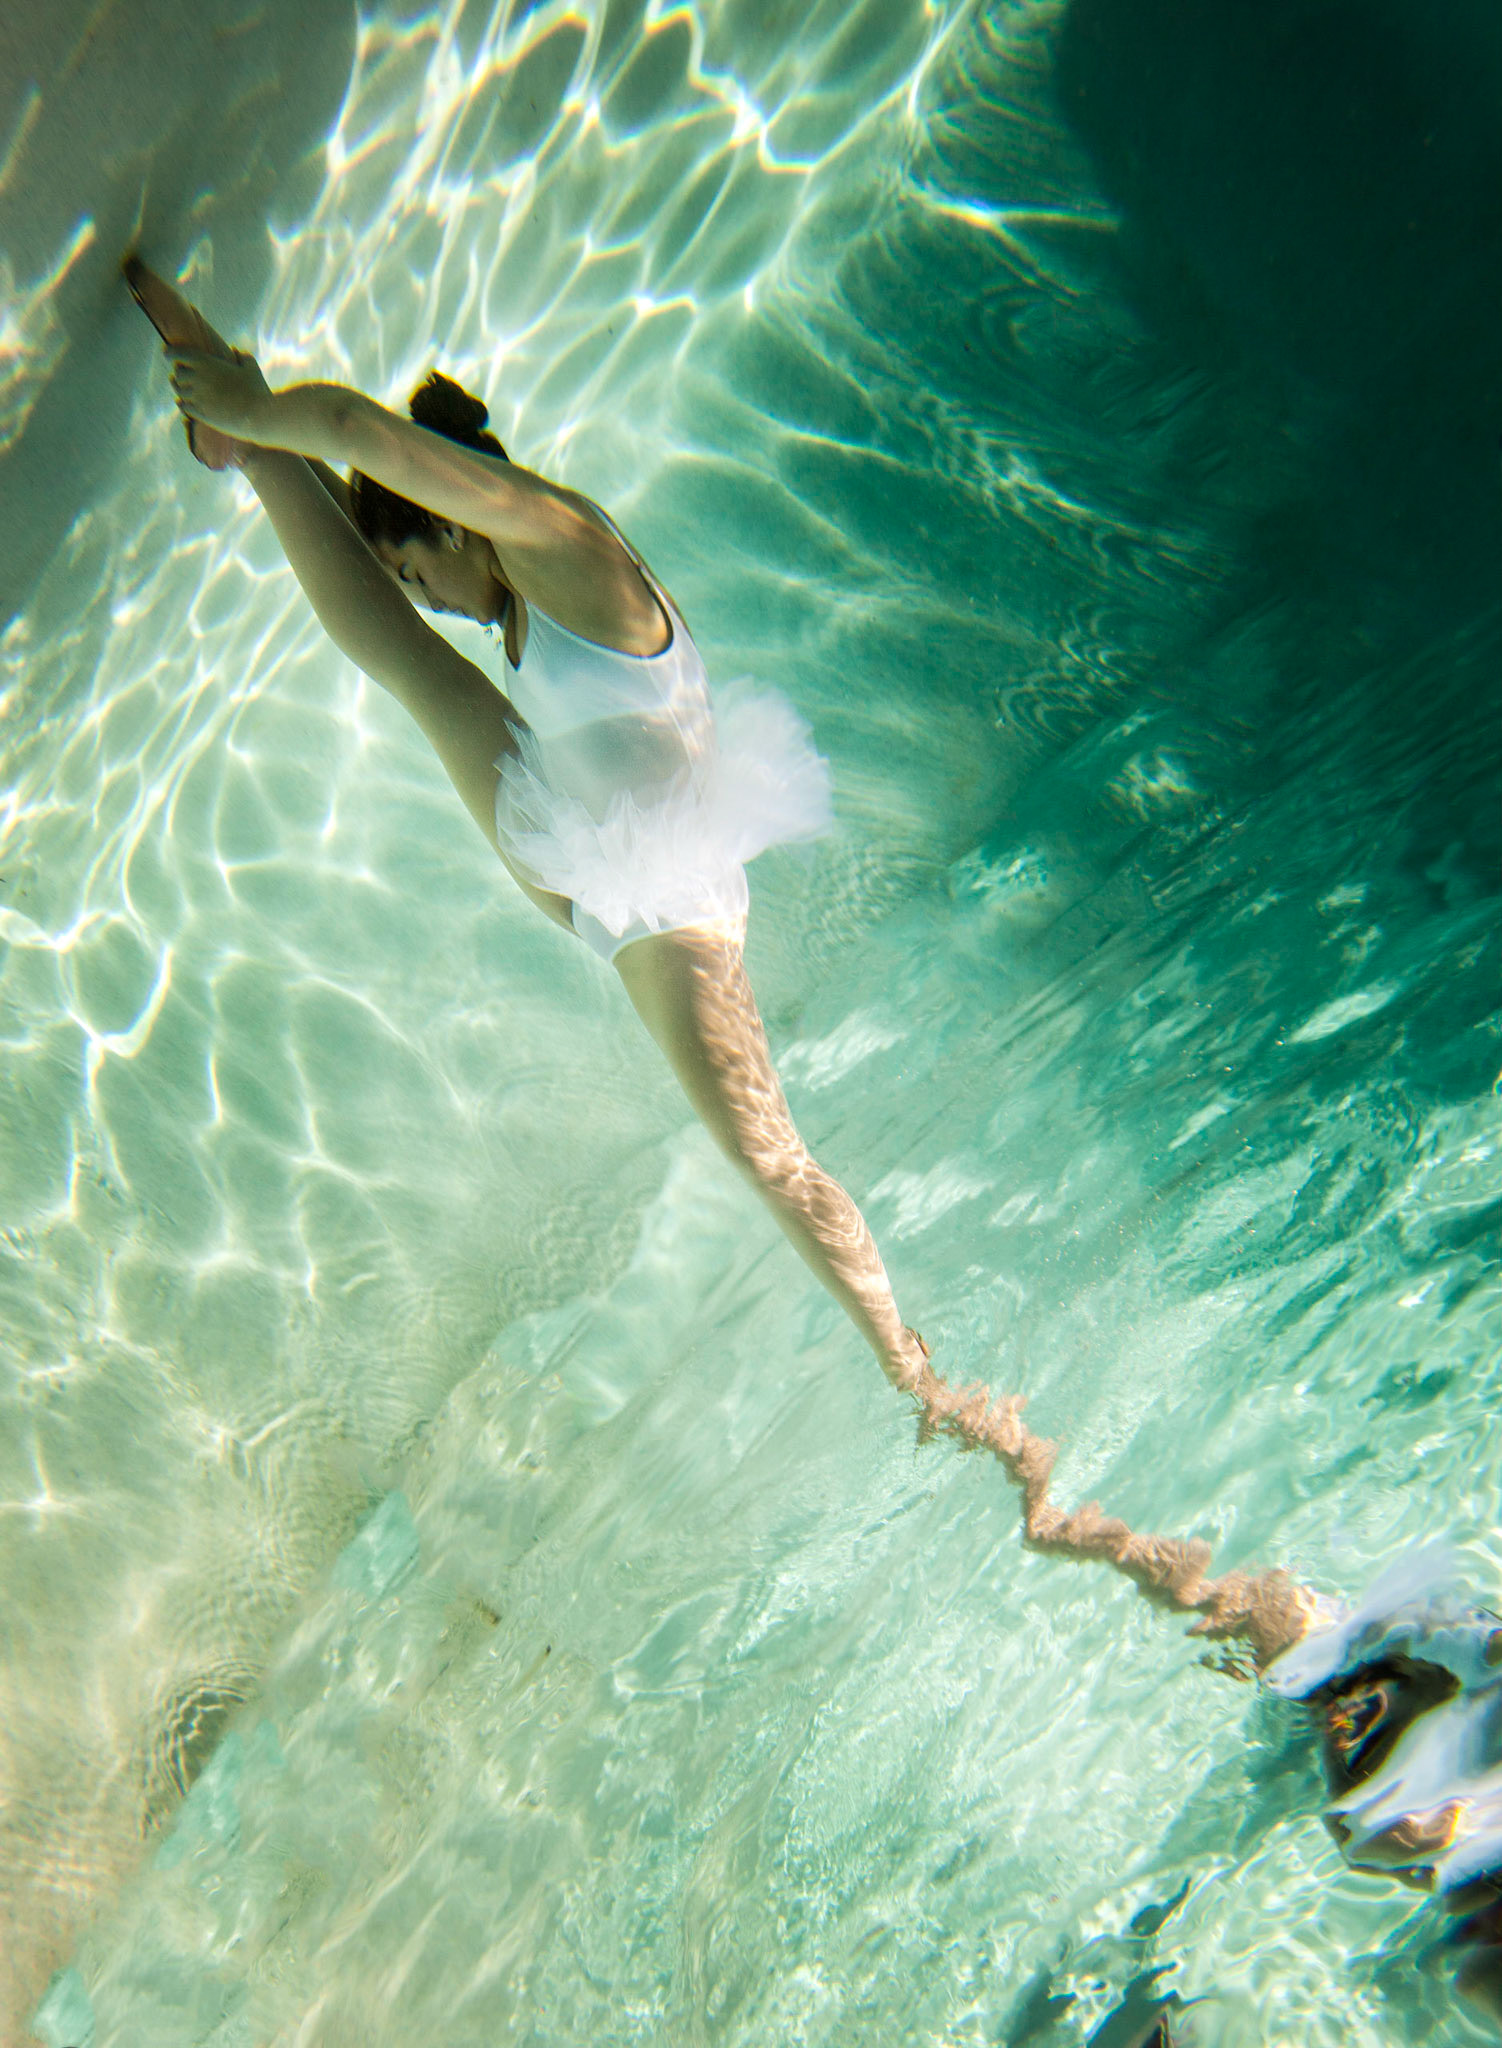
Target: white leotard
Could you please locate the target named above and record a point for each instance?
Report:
(605, 722)
(638, 796)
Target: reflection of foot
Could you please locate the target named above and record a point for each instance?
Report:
(182, 325)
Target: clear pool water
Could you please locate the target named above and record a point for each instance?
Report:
(462, 1582)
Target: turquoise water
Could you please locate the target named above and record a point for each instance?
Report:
(462, 1580)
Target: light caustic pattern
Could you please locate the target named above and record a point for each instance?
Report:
(462, 1581)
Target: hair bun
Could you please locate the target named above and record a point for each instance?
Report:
(447, 408)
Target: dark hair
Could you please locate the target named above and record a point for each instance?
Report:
(447, 408)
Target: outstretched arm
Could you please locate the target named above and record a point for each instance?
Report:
(555, 548)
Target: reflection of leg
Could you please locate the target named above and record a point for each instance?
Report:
(691, 992)
(1269, 1611)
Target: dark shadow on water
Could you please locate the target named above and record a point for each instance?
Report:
(1312, 190)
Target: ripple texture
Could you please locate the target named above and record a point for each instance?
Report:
(460, 1580)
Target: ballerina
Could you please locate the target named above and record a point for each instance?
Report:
(622, 800)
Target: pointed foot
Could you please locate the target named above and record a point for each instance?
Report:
(181, 325)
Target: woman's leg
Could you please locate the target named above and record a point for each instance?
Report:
(462, 714)
(690, 990)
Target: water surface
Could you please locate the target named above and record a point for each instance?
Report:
(463, 1582)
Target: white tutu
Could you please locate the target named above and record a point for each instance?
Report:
(670, 854)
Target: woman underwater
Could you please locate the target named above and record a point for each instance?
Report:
(605, 787)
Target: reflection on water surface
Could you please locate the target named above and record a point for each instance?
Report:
(461, 1582)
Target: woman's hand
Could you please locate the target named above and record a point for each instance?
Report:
(230, 395)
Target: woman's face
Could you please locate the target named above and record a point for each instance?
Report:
(454, 572)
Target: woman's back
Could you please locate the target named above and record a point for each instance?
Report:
(606, 723)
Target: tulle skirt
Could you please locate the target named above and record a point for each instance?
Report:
(660, 855)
